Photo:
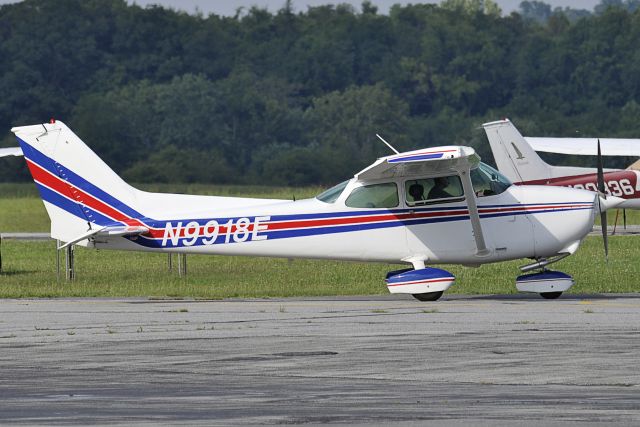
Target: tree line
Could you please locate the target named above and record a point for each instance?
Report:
(296, 97)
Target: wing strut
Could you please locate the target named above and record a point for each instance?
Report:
(470, 195)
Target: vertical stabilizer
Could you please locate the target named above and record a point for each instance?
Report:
(79, 190)
(513, 155)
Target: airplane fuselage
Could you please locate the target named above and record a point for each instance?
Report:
(518, 223)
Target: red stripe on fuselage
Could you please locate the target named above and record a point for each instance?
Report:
(343, 221)
(356, 220)
(286, 225)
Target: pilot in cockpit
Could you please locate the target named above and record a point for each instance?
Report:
(416, 191)
(439, 184)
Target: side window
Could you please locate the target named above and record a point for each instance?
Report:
(427, 190)
(374, 196)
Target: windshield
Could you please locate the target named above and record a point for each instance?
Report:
(332, 194)
(487, 181)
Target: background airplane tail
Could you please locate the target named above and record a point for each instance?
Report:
(80, 192)
(513, 155)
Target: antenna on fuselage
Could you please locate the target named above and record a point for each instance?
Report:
(388, 145)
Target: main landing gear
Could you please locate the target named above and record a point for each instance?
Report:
(425, 284)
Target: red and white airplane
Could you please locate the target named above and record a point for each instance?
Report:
(516, 158)
(432, 206)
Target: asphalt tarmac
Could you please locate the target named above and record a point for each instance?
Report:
(482, 360)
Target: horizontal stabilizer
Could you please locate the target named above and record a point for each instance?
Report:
(586, 146)
(109, 231)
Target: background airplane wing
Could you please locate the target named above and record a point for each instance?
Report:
(586, 146)
(11, 151)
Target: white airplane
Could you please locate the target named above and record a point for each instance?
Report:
(424, 207)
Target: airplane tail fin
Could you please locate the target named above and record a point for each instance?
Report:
(513, 155)
(80, 192)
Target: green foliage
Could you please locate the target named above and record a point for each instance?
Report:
(472, 6)
(180, 165)
(295, 98)
(343, 126)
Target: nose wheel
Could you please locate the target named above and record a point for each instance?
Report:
(549, 284)
(550, 295)
(428, 296)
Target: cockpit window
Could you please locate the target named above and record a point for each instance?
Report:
(487, 181)
(332, 194)
(374, 196)
(427, 190)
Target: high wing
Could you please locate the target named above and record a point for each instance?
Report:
(11, 151)
(586, 146)
(420, 162)
(449, 159)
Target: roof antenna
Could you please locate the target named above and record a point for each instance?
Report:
(388, 145)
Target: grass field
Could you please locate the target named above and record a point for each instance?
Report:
(29, 267)
(29, 271)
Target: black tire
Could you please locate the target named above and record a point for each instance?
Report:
(428, 296)
(550, 295)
